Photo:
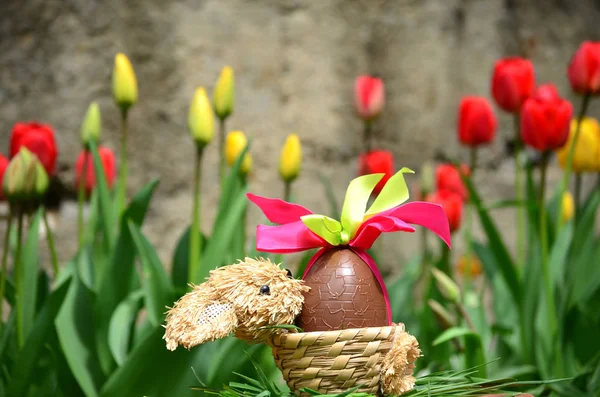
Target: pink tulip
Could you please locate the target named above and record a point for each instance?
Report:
(369, 97)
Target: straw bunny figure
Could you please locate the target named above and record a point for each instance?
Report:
(239, 298)
(245, 297)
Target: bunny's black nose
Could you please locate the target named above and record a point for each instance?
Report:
(265, 290)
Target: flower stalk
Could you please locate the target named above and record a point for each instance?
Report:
(549, 294)
(123, 164)
(195, 240)
(81, 199)
(520, 210)
(51, 245)
(4, 262)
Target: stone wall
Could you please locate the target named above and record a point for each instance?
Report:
(295, 63)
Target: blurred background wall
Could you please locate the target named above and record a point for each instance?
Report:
(295, 63)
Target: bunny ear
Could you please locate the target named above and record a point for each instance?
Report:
(195, 320)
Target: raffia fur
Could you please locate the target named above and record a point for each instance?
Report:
(399, 364)
(229, 301)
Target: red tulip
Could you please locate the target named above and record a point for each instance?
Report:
(513, 82)
(108, 164)
(545, 122)
(39, 139)
(452, 204)
(3, 165)
(546, 91)
(377, 162)
(584, 69)
(448, 178)
(369, 97)
(476, 121)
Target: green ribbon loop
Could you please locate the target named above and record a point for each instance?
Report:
(354, 212)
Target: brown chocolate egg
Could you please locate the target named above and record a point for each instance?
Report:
(344, 293)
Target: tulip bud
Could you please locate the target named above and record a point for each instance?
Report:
(452, 204)
(234, 144)
(586, 157)
(377, 162)
(224, 93)
(369, 97)
(25, 177)
(446, 285)
(584, 69)
(469, 265)
(125, 90)
(90, 128)
(443, 316)
(567, 207)
(291, 158)
(545, 122)
(201, 121)
(513, 81)
(476, 121)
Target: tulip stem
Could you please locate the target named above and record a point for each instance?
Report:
(578, 180)
(469, 221)
(17, 265)
(520, 211)
(465, 315)
(244, 219)
(569, 165)
(123, 165)
(544, 247)
(81, 197)
(4, 260)
(51, 245)
(195, 240)
(287, 191)
(222, 152)
(367, 134)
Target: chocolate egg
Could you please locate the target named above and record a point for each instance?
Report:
(344, 293)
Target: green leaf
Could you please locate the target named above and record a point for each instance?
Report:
(355, 202)
(181, 258)
(75, 325)
(121, 325)
(503, 258)
(451, 333)
(24, 368)
(116, 282)
(223, 231)
(27, 287)
(156, 284)
(104, 200)
(152, 370)
(394, 193)
(327, 228)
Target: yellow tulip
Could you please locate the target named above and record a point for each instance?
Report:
(234, 144)
(201, 121)
(291, 158)
(568, 207)
(125, 90)
(90, 128)
(224, 93)
(586, 157)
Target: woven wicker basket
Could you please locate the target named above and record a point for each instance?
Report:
(333, 361)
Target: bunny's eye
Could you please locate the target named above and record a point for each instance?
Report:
(265, 290)
(289, 273)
